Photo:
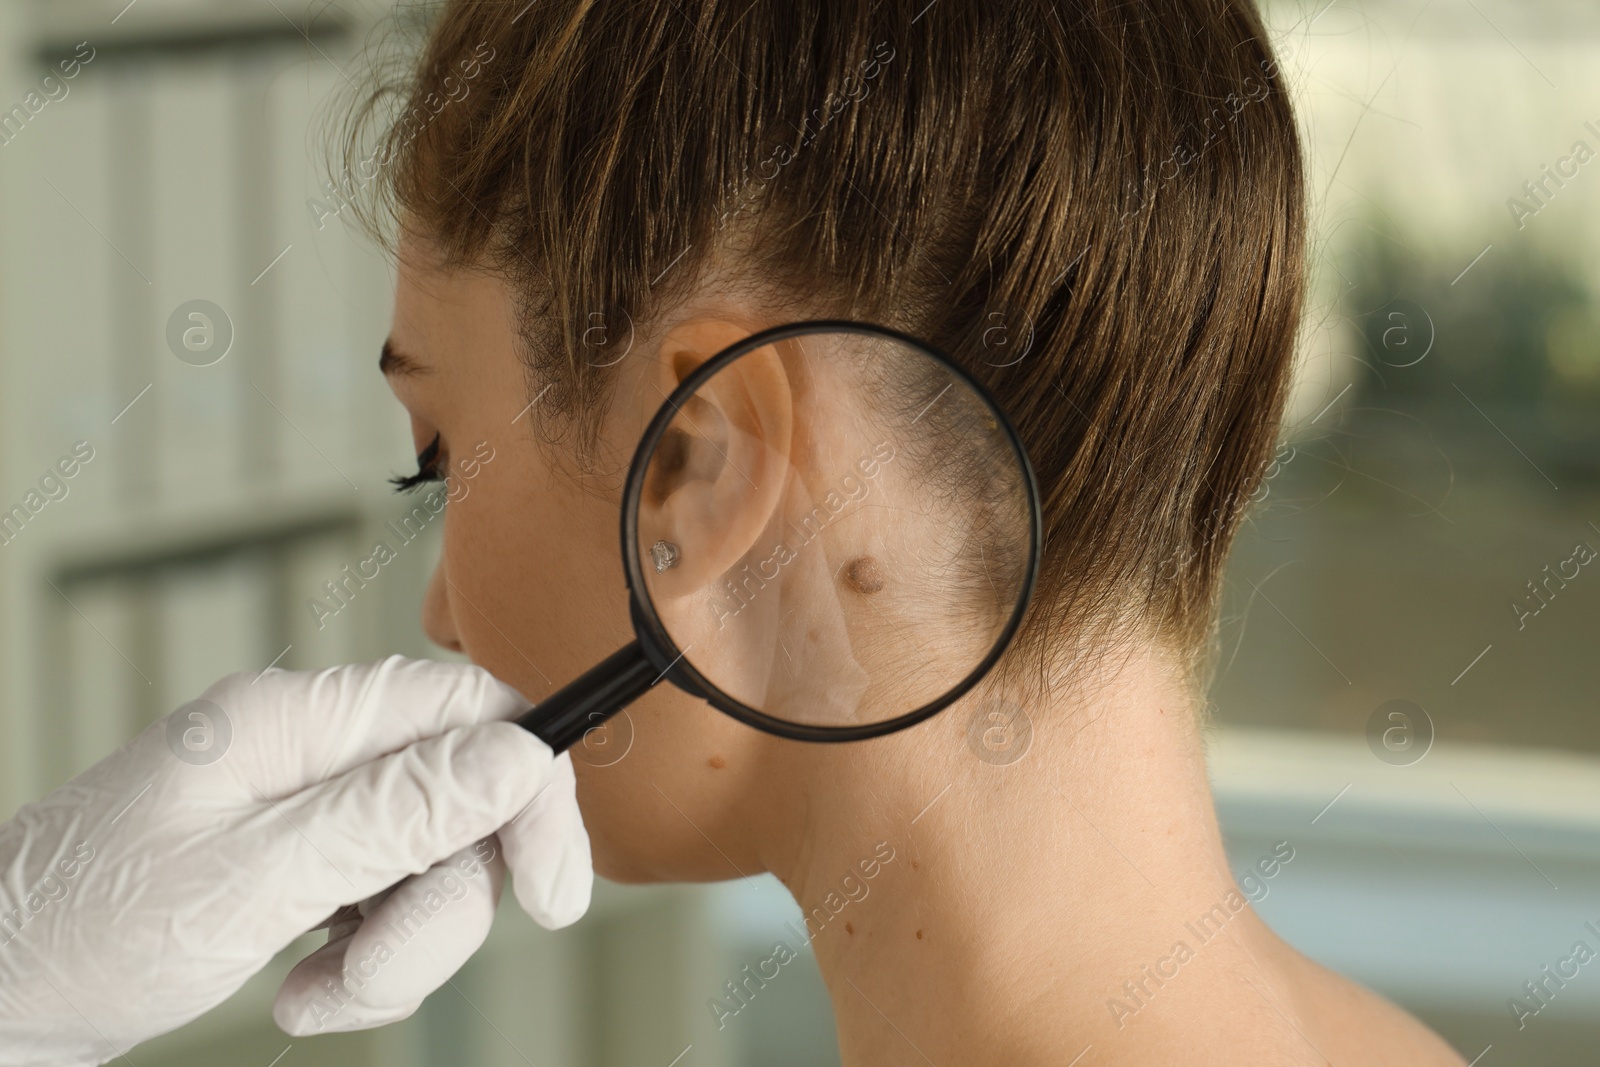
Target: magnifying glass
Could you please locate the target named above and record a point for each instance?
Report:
(830, 532)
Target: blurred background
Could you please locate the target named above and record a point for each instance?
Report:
(1409, 663)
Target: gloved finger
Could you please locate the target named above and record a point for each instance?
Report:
(304, 1004)
(431, 924)
(361, 712)
(314, 998)
(407, 946)
(396, 816)
(547, 849)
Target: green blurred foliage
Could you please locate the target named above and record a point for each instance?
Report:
(1517, 335)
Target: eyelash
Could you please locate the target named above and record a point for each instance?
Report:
(427, 470)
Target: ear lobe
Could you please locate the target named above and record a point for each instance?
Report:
(719, 471)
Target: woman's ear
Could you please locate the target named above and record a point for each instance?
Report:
(719, 470)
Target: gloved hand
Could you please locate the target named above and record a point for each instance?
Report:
(145, 891)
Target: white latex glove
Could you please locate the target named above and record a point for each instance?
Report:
(148, 889)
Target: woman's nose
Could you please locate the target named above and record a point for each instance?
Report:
(438, 622)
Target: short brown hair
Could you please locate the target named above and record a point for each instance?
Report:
(1117, 187)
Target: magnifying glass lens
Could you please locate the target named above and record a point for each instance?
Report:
(833, 530)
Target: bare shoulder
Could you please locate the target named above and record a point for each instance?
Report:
(1352, 1025)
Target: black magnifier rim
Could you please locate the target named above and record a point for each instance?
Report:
(658, 644)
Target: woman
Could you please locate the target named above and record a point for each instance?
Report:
(1099, 211)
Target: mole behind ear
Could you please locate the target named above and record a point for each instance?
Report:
(864, 575)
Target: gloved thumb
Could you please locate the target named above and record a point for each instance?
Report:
(408, 942)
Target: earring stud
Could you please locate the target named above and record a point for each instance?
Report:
(664, 554)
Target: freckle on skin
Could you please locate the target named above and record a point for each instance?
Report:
(915, 866)
(919, 935)
(717, 763)
(849, 929)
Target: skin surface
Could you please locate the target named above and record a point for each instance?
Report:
(1019, 898)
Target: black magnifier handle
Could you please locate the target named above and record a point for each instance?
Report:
(562, 718)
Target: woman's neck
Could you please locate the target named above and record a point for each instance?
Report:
(969, 910)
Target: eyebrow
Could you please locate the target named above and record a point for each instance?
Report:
(397, 364)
